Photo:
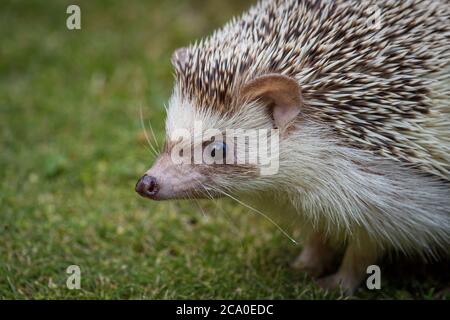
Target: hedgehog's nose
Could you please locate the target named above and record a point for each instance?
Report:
(147, 186)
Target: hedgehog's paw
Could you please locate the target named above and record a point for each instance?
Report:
(347, 285)
(330, 282)
(313, 265)
(358, 256)
(316, 258)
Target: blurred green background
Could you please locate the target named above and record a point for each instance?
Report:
(72, 148)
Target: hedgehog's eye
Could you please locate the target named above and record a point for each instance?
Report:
(215, 152)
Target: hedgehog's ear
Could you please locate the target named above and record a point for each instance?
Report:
(284, 93)
(179, 57)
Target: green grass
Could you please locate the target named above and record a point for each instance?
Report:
(72, 149)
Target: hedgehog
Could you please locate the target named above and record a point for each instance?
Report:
(359, 95)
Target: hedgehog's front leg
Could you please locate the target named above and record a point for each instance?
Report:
(316, 257)
(358, 256)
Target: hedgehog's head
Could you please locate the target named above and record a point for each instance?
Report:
(212, 151)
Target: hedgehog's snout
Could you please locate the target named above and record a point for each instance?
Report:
(147, 186)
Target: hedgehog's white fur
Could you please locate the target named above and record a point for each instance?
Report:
(339, 189)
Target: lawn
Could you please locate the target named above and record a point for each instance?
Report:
(72, 148)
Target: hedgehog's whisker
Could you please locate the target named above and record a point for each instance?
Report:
(265, 216)
(196, 201)
(206, 190)
(152, 148)
(204, 186)
(227, 216)
(153, 134)
(200, 207)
